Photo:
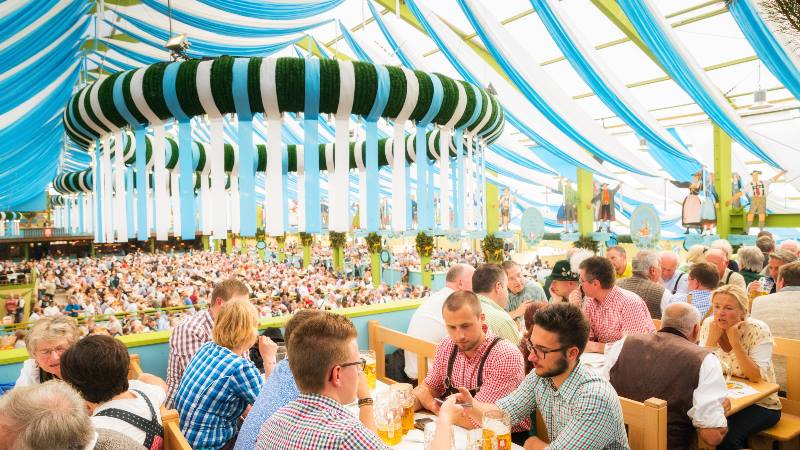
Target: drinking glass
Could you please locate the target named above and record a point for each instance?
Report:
(405, 396)
(727, 370)
(476, 440)
(388, 417)
(497, 424)
(369, 368)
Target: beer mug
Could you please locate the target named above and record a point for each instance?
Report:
(388, 417)
(477, 441)
(497, 424)
(405, 396)
(369, 368)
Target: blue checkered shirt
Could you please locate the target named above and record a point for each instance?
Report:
(583, 413)
(278, 391)
(701, 299)
(315, 421)
(215, 390)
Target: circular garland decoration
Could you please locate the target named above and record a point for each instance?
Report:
(492, 247)
(145, 86)
(374, 242)
(10, 215)
(424, 244)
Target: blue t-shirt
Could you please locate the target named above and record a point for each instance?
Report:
(278, 391)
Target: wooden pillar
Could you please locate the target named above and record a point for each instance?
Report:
(722, 180)
(585, 207)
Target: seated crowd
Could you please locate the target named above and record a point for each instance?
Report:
(504, 343)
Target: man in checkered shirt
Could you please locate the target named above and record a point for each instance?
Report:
(612, 311)
(473, 345)
(580, 409)
(329, 373)
(195, 331)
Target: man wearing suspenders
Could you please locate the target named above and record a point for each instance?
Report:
(703, 278)
(672, 279)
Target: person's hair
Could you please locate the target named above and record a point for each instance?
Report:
(47, 413)
(600, 269)
(530, 311)
(226, 289)
(316, 346)
(454, 273)
(784, 255)
(681, 316)
(736, 292)
(51, 328)
(485, 277)
(458, 299)
(298, 318)
(97, 366)
(765, 233)
(765, 244)
(790, 274)
(617, 248)
(644, 260)
(565, 320)
(724, 245)
(510, 264)
(696, 254)
(236, 324)
(751, 258)
(706, 274)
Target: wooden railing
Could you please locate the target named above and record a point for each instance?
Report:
(380, 336)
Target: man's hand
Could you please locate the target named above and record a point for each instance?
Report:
(534, 443)
(576, 298)
(726, 405)
(450, 411)
(520, 311)
(267, 348)
(753, 287)
(425, 398)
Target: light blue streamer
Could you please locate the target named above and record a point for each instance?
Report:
(129, 202)
(360, 53)
(311, 141)
(247, 200)
(666, 53)
(381, 98)
(458, 210)
(392, 42)
(142, 233)
(119, 102)
(98, 234)
(81, 220)
(262, 9)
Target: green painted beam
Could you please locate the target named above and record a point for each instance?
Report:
(585, 194)
(614, 13)
(492, 206)
(722, 179)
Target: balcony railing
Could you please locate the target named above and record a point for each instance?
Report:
(48, 232)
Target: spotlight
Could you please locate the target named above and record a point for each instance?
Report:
(177, 46)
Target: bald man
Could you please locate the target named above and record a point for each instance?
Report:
(427, 322)
(673, 280)
(719, 259)
(790, 246)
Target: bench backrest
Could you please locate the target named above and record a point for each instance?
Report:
(380, 336)
(135, 368)
(173, 437)
(790, 349)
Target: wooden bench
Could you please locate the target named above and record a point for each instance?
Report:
(787, 431)
(170, 420)
(380, 336)
(646, 424)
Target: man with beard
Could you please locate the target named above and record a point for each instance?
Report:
(473, 358)
(559, 383)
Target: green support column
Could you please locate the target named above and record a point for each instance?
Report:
(306, 256)
(152, 245)
(492, 207)
(204, 240)
(282, 251)
(229, 243)
(427, 278)
(26, 250)
(338, 259)
(585, 194)
(722, 180)
(375, 268)
(91, 249)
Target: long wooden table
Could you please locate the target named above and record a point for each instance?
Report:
(764, 390)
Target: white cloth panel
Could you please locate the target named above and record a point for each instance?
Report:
(216, 157)
(175, 199)
(120, 210)
(398, 161)
(339, 182)
(107, 202)
(162, 209)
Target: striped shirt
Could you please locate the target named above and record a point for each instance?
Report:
(498, 320)
(315, 421)
(186, 338)
(621, 313)
(583, 413)
(214, 392)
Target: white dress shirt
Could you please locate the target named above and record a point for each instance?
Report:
(706, 410)
(427, 323)
(682, 284)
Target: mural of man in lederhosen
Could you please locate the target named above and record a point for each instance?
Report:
(757, 190)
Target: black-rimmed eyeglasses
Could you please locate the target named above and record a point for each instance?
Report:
(541, 353)
(361, 362)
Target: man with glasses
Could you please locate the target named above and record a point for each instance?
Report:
(612, 311)
(580, 409)
(470, 357)
(329, 373)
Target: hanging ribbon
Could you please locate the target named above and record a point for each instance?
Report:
(445, 139)
(233, 194)
(206, 212)
(247, 159)
(183, 222)
(139, 136)
(81, 222)
(275, 198)
(105, 190)
(458, 210)
(359, 156)
(310, 144)
(300, 187)
(120, 211)
(339, 181)
(399, 182)
(424, 190)
(66, 213)
(216, 151)
(175, 200)
(371, 211)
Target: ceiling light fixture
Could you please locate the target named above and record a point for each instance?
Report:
(760, 95)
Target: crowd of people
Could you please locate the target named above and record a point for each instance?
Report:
(504, 343)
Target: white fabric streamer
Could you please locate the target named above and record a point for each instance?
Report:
(120, 216)
(339, 181)
(398, 161)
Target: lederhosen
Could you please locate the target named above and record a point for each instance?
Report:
(448, 384)
(154, 432)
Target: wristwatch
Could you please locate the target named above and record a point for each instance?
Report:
(364, 401)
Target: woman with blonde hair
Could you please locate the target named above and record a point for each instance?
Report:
(219, 384)
(744, 346)
(696, 254)
(47, 340)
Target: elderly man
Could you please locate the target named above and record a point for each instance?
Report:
(561, 282)
(672, 279)
(703, 279)
(790, 246)
(490, 283)
(780, 311)
(521, 292)
(718, 258)
(776, 261)
(619, 260)
(645, 282)
(612, 311)
(670, 365)
(427, 322)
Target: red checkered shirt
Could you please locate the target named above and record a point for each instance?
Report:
(503, 371)
(621, 313)
(184, 342)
